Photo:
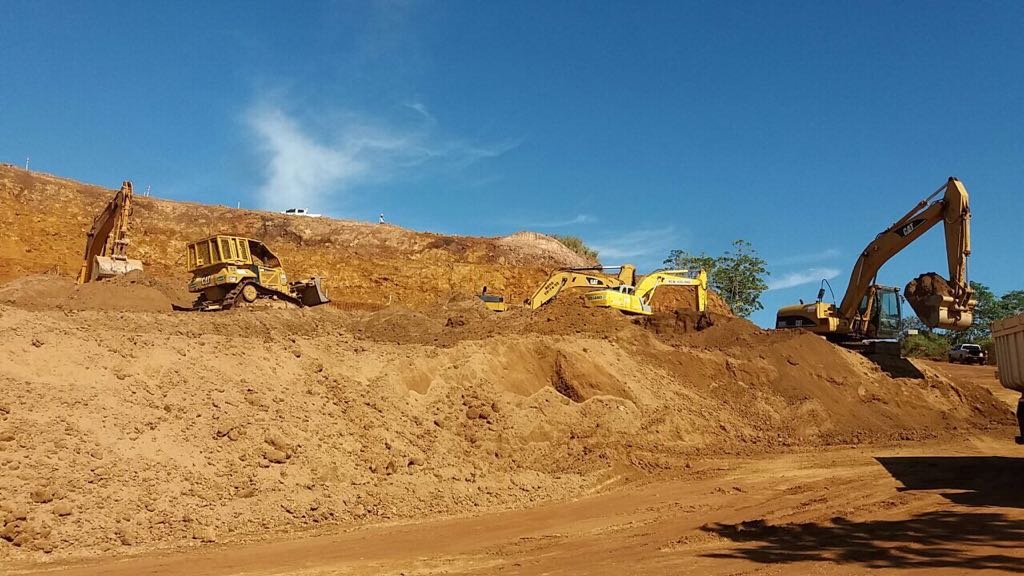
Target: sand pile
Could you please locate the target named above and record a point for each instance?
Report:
(120, 432)
(672, 298)
(132, 292)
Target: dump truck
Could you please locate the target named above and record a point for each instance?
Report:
(1008, 340)
(230, 271)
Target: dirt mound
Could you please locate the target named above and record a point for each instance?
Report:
(672, 298)
(525, 244)
(680, 327)
(132, 292)
(122, 431)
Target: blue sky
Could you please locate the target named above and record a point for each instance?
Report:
(803, 127)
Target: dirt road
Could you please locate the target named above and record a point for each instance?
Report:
(926, 509)
(981, 375)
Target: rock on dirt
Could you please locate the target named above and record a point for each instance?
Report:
(921, 289)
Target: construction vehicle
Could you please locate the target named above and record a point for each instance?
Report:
(967, 354)
(870, 312)
(1008, 341)
(592, 277)
(493, 301)
(106, 244)
(229, 271)
(637, 299)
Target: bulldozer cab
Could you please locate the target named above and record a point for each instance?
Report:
(879, 316)
(217, 250)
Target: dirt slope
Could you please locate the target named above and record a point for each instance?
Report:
(124, 426)
(125, 430)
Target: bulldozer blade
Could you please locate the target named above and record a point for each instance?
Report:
(107, 267)
(310, 292)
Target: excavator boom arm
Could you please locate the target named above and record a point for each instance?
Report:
(645, 290)
(112, 222)
(569, 278)
(952, 209)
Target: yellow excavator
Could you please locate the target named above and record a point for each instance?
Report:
(592, 277)
(106, 244)
(637, 299)
(871, 312)
(230, 271)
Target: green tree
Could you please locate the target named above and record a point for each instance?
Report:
(913, 323)
(926, 345)
(576, 244)
(1011, 304)
(680, 259)
(738, 275)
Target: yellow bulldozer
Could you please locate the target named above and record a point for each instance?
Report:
(231, 271)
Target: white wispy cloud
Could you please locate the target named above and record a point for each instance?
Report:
(798, 278)
(808, 258)
(298, 168)
(637, 244)
(577, 219)
(319, 168)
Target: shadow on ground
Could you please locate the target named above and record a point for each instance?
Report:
(943, 539)
(895, 366)
(969, 480)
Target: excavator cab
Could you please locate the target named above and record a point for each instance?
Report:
(879, 316)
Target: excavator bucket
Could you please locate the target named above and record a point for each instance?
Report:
(936, 304)
(106, 267)
(311, 292)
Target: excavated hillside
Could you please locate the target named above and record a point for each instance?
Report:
(125, 426)
(365, 266)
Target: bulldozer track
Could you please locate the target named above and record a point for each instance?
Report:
(234, 297)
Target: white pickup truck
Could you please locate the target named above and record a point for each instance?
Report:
(300, 212)
(1008, 338)
(967, 354)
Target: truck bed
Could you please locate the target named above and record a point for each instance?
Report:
(1008, 337)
